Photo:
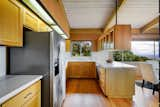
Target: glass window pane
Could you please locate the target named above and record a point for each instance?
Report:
(86, 48)
(75, 48)
(145, 48)
(81, 48)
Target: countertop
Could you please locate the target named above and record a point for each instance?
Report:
(116, 65)
(11, 85)
(74, 60)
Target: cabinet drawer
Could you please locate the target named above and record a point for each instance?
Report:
(22, 99)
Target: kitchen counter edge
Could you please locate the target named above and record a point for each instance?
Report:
(17, 90)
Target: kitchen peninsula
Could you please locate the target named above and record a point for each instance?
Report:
(117, 80)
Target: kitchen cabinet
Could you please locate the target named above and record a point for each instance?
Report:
(11, 23)
(122, 37)
(34, 23)
(118, 37)
(68, 45)
(43, 27)
(117, 82)
(81, 70)
(13, 16)
(30, 20)
(30, 97)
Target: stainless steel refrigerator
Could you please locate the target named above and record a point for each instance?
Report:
(39, 56)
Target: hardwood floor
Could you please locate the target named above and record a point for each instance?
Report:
(86, 93)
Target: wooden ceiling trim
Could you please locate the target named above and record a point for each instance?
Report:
(136, 31)
(121, 3)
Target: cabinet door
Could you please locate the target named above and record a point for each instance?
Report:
(92, 71)
(30, 20)
(11, 23)
(122, 37)
(85, 69)
(75, 70)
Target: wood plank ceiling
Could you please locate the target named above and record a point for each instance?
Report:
(138, 12)
(95, 13)
(88, 13)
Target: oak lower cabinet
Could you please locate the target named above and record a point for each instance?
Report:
(30, 97)
(117, 82)
(11, 23)
(81, 70)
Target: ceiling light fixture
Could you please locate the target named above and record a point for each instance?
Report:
(57, 29)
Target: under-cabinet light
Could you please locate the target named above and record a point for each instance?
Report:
(36, 7)
(57, 29)
(64, 36)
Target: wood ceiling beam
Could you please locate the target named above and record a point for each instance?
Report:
(120, 4)
(150, 25)
(136, 31)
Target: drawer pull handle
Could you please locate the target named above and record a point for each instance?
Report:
(28, 95)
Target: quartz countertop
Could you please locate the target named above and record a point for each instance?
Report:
(115, 64)
(11, 85)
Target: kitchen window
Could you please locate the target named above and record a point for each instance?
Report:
(81, 48)
(149, 49)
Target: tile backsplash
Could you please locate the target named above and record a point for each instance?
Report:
(98, 57)
(2, 61)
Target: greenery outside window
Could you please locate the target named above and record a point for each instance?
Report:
(81, 48)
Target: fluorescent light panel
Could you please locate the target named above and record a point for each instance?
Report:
(64, 36)
(57, 29)
(36, 7)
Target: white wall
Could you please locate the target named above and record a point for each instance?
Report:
(2, 61)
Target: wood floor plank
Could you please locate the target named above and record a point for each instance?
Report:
(86, 93)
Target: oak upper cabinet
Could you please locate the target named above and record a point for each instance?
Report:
(122, 37)
(11, 23)
(30, 97)
(118, 37)
(30, 20)
(43, 27)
